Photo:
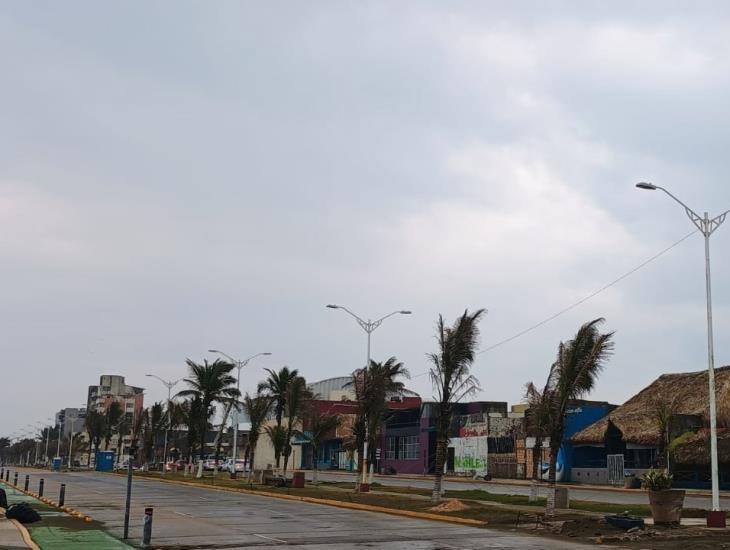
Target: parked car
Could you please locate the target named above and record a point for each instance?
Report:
(241, 465)
(177, 466)
(209, 463)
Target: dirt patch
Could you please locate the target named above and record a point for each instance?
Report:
(453, 505)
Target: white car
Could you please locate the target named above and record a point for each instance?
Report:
(241, 465)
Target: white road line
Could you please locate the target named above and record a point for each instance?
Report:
(182, 514)
(269, 538)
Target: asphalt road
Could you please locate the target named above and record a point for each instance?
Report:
(575, 493)
(194, 517)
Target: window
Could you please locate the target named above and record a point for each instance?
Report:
(408, 447)
(390, 448)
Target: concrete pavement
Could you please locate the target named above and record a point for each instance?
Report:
(593, 493)
(196, 517)
(10, 536)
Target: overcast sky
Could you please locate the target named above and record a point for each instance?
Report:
(182, 176)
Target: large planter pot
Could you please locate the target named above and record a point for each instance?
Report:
(666, 506)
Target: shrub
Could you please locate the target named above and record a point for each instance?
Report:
(657, 480)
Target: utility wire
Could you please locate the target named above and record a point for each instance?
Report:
(582, 300)
(589, 296)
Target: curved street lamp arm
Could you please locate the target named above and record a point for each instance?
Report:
(695, 218)
(379, 321)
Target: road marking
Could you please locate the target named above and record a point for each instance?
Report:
(182, 514)
(269, 538)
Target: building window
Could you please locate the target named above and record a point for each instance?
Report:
(408, 447)
(390, 448)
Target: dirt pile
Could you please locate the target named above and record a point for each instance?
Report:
(453, 505)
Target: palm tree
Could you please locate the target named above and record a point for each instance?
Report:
(94, 423)
(122, 430)
(211, 383)
(276, 386)
(153, 423)
(372, 386)
(277, 435)
(257, 408)
(317, 426)
(572, 376)
(451, 379)
(176, 416)
(112, 416)
(296, 395)
(538, 425)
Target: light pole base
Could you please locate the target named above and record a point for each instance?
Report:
(716, 519)
(363, 488)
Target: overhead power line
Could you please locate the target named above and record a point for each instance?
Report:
(589, 296)
(582, 300)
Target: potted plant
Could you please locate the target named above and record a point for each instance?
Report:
(665, 503)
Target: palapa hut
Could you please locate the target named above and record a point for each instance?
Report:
(671, 414)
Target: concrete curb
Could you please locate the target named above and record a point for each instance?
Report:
(335, 503)
(25, 534)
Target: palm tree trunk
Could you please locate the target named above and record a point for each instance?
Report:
(441, 444)
(251, 453)
(550, 508)
(315, 464)
(536, 473)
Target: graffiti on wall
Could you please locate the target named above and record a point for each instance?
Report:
(470, 454)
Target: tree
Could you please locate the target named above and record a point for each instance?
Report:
(538, 425)
(257, 408)
(123, 427)
(94, 423)
(296, 395)
(372, 386)
(211, 383)
(112, 416)
(276, 386)
(451, 379)
(572, 376)
(277, 435)
(317, 426)
(153, 423)
(4, 447)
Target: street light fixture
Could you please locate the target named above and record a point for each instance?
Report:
(369, 327)
(169, 384)
(707, 226)
(239, 365)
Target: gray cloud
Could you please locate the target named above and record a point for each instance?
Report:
(175, 177)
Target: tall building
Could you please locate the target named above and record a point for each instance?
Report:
(69, 419)
(112, 388)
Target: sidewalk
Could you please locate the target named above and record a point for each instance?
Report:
(11, 536)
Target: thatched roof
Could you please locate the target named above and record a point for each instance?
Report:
(695, 448)
(637, 418)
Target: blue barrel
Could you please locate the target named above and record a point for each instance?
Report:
(57, 464)
(104, 461)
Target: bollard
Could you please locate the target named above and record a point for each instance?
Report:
(147, 532)
(62, 495)
(7, 475)
(2, 473)
(27, 483)
(15, 479)
(40, 487)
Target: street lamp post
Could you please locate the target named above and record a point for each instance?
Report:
(71, 441)
(239, 366)
(369, 327)
(169, 384)
(707, 226)
(48, 436)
